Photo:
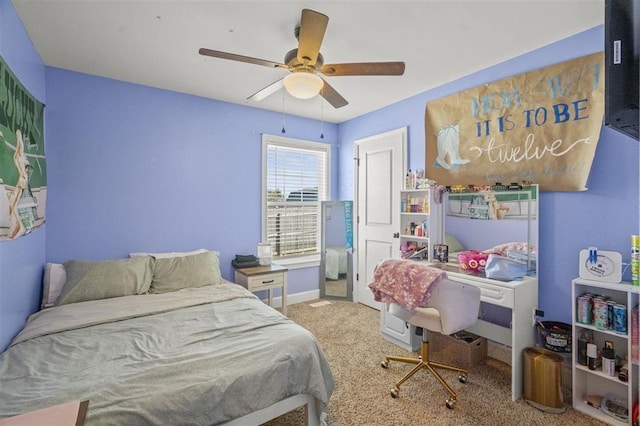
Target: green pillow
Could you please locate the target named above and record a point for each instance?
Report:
(454, 245)
(175, 273)
(102, 280)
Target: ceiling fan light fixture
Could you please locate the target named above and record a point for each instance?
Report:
(303, 85)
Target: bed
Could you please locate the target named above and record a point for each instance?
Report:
(336, 262)
(203, 351)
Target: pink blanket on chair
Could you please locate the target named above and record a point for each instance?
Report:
(405, 282)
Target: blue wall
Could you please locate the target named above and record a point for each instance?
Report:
(604, 216)
(20, 260)
(133, 168)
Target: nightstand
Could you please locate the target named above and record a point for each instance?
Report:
(267, 277)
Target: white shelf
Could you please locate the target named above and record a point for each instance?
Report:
(414, 237)
(596, 413)
(393, 329)
(599, 373)
(595, 382)
(599, 330)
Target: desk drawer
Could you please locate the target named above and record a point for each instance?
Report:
(500, 295)
(265, 281)
(496, 295)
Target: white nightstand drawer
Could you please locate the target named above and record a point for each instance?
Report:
(269, 277)
(263, 282)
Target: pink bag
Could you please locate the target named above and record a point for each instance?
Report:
(472, 260)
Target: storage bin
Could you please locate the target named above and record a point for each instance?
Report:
(462, 349)
(555, 336)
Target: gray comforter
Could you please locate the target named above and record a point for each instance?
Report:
(197, 356)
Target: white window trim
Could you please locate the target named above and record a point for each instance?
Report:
(295, 262)
(300, 262)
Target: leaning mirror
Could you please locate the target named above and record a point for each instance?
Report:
(336, 250)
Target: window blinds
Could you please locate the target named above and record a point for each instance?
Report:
(296, 183)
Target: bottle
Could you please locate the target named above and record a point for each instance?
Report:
(608, 362)
(624, 371)
(592, 356)
(584, 338)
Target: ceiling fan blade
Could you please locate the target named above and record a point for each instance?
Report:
(240, 58)
(332, 96)
(269, 90)
(312, 28)
(363, 68)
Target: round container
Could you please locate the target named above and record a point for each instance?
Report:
(610, 305)
(600, 314)
(584, 310)
(620, 318)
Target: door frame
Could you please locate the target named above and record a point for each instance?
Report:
(403, 132)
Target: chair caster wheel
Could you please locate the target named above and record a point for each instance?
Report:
(385, 363)
(462, 378)
(394, 392)
(450, 403)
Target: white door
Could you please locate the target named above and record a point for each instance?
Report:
(380, 170)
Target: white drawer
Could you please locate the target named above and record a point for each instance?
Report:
(496, 295)
(489, 293)
(265, 281)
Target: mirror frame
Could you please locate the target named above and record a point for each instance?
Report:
(324, 206)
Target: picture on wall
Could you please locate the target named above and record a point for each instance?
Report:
(23, 171)
(538, 127)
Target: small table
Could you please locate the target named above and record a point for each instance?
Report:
(267, 277)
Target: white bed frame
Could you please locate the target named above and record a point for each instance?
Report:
(312, 414)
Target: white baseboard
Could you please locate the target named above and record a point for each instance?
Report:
(499, 351)
(294, 298)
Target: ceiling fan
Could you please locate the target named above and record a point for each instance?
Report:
(306, 61)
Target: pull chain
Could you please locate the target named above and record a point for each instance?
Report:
(283, 129)
(322, 116)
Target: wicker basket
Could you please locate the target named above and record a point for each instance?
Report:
(460, 349)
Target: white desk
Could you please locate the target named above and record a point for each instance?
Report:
(519, 296)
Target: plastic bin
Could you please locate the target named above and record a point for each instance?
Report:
(543, 380)
(555, 336)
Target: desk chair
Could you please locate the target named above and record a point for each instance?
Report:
(452, 307)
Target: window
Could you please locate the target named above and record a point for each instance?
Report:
(295, 179)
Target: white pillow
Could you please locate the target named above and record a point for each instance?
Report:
(54, 278)
(171, 254)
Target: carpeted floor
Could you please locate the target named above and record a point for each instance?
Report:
(349, 334)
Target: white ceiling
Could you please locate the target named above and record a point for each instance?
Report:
(155, 43)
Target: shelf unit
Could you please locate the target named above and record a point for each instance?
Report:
(420, 220)
(425, 210)
(595, 382)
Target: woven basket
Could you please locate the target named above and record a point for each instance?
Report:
(460, 349)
